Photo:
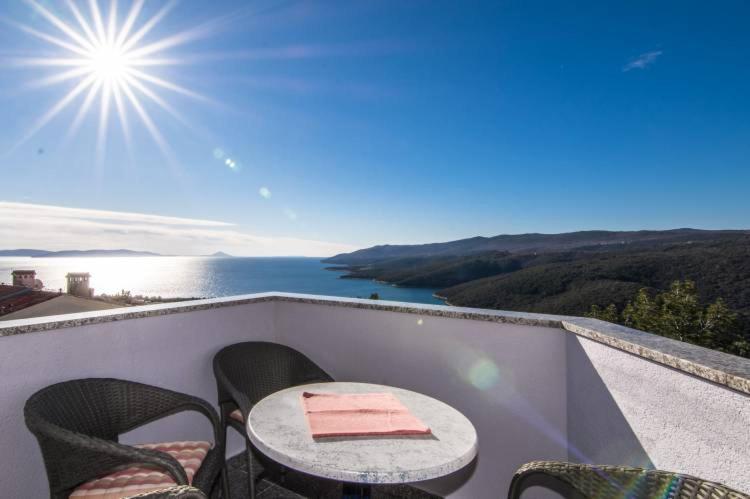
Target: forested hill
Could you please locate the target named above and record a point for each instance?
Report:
(571, 281)
(539, 243)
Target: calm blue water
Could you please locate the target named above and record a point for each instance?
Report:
(208, 277)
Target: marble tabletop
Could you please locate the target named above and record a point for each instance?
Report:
(278, 428)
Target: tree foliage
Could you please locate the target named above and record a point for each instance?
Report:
(608, 313)
(678, 313)
(569, 282)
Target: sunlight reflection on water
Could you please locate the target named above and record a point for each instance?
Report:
(208, 277)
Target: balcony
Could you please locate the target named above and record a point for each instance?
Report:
(534, 386)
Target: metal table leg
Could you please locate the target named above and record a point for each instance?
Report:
(356, 491)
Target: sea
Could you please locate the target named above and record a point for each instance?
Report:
(208, 277)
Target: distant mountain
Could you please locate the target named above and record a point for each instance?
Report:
(567, 273)
(25, 252)
(221, 254)
(536, 243)
(570, 282)
(35, 253)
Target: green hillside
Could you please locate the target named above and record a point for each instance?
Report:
(570, 282)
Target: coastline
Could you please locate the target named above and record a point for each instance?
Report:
(444, 299)
(379, 281)
(178, 278)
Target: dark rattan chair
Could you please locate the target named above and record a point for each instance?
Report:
(248, 372)
(77, 424)
(177, 492)
(584, 481)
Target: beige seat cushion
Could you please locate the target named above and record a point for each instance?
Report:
(237, 415)
(139, 479)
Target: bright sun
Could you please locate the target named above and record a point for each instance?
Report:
(110, 63)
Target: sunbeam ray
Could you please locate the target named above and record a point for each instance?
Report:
(88, 101)
(135, 9)
(155, 134)
(56, 109)
(130, 42)
(177, 39)
(49, 16)
(101, 48)
(98, 23)
(101, 139)
(154, 97)
(82, 21)
(42, 61)
(58, 78)
(122, 114)
(51, 39)
(166, 84)
(112, 24)
(172, 61)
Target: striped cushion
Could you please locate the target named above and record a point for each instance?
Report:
(134, 480)
(237, 415)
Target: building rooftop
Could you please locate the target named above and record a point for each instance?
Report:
(58, 304)
(17, 298)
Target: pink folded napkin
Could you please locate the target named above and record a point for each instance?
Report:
(359, 414)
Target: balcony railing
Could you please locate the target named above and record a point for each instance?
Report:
(535, 386)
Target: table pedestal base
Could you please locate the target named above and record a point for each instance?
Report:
(356, 491)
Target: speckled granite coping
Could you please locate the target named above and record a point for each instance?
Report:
(721, 368)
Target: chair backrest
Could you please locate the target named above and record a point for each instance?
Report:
(64, 416)
(97, 407)
(256, 369)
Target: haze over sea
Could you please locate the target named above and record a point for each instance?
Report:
(184, 276)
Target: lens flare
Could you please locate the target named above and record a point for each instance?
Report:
(484, 374)
(110, 61)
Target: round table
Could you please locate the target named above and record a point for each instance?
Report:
(278, 428)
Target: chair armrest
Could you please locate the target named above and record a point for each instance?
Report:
(179, 492)
(102, 456)
(238, 398)
(575, 480)
(197, 404)
(156, 403)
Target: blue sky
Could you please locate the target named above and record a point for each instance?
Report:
(396, 122)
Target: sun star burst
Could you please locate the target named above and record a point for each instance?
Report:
(110, 63)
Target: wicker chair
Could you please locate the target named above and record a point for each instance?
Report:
(77, 424)
(248, 372)
(584, 481)
(177, 492)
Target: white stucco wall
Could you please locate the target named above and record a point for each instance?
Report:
(532, 392)
(509, 380)
(623, 409)
(173, 351)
